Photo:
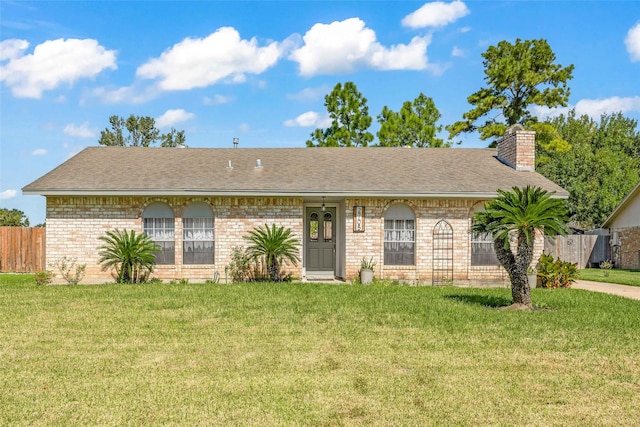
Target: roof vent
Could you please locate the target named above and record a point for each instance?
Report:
(258, 163)
(229, 165)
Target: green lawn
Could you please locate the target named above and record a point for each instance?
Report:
(313, 354)
(622, 277)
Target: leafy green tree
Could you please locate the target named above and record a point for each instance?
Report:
(140, 132)
(131, 255)
(600, 166)
(349, 119)
(519, 214)
(173, 138)
(13, 218)
(413, 126)
(275, 245)
(517, 75)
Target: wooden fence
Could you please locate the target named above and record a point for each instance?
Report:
(22, 249)
(586, 250)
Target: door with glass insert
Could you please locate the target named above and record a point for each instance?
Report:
(320, 240)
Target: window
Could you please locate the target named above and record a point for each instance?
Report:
(197, 234)
(482, 251)
(158, 223)
(399, 235)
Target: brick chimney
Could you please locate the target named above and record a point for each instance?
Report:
(518, 148)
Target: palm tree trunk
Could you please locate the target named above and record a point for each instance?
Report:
(516, 266)
(274, 270)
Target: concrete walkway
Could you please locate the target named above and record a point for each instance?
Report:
(609, 288)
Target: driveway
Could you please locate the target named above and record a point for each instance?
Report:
(609, 288)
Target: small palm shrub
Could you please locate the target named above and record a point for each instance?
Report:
(556, 273)
(275, 245)
(131, 255)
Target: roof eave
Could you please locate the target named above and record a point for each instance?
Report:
(621, 206)
(271, 193)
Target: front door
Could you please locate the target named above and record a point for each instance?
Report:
(320, 240)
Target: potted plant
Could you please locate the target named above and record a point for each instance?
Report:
(366, 270)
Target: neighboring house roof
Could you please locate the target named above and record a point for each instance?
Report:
(356, 172)
(622, 206)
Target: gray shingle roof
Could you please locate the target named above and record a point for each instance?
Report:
(424, 172)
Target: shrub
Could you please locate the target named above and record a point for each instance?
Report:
(43, 278)
(556, 273)
(69, 271)
(240, 265)
(606, 265)
(131, 255)
(244, 268)
(275, 245)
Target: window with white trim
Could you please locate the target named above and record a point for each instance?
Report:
(159, 224)
(399, 235)
(197, 234)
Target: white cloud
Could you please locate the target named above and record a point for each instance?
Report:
(633, 42)
(129, 94)
(8, 194)
(456, 52)
(344, 46)
(171, 117)
(310, 94)
(205, 61)
(12, 48)
(82, 131)
(216, 100)
(39, 152)
(594, 108)
(309, 119)
(244, 127)
(51, 64)
(436, 14)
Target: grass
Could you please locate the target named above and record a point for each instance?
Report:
(314, 354)
(621, 277)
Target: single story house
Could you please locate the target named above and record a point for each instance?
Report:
(409, 209)
(624, 231)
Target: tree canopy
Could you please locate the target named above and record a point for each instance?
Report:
(13, 218)
(519, 214)
(350, 119)
(599, 163)
(413, 126)
(517, 75)
(141, 131)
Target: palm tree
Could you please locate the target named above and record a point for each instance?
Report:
(275, 244)
(519, 214)
(132, 255)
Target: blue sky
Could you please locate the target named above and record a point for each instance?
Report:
(259, 70)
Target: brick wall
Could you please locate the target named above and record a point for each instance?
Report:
(457, 213)
(75, 223)
(630, 250)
